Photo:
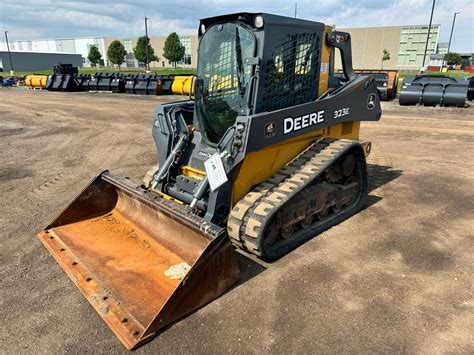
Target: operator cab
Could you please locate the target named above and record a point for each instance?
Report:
(252, 63)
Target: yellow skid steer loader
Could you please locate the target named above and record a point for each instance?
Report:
(264, 156)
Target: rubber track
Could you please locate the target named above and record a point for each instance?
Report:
(250, 216)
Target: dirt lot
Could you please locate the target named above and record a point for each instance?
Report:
(397, 277)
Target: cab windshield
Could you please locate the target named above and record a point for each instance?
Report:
(225, 78)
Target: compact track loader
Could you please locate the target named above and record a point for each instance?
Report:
(264, 156)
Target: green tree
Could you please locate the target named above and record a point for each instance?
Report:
(94, 55)
(173, 49)
(385, 56)
(453, 58)
(116, 53)
(140, 51)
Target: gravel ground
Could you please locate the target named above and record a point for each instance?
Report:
(397, 277)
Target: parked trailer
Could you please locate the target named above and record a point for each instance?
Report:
(434, 90)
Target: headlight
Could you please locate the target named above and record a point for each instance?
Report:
(203, 28)
(258, 21)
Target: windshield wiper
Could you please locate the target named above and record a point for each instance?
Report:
(240, 64)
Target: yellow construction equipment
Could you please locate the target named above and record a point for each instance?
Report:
(264, 156)
(36, 81)
(182, 85)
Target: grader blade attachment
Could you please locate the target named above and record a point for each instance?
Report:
(141, 261)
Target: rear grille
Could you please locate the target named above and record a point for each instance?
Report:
(291, 75)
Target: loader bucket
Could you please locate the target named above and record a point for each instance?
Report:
(36, 81)
(141, 261)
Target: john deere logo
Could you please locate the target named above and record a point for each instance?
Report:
(270, 130)
(371, 101)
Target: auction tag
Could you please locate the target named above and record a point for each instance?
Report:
(215, 171)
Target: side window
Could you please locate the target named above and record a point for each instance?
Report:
(291, 72)
(304, 56)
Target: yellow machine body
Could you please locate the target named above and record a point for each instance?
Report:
(146, 256)
(259, 166)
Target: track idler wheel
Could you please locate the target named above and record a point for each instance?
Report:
(348, 165)
(307, 221)
(337, 207)
(287, 231)
(323, 214)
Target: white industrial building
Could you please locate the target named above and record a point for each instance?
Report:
(82, 46)
(61, 45)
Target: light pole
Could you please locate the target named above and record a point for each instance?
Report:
(452, 29)
(428, 36)
(296, 8)
(147, 44)
(9, 54)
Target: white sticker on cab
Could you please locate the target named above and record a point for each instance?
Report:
(215, 171)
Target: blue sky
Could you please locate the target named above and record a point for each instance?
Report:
(36, 19)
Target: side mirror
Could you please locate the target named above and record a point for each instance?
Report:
(198, 88)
